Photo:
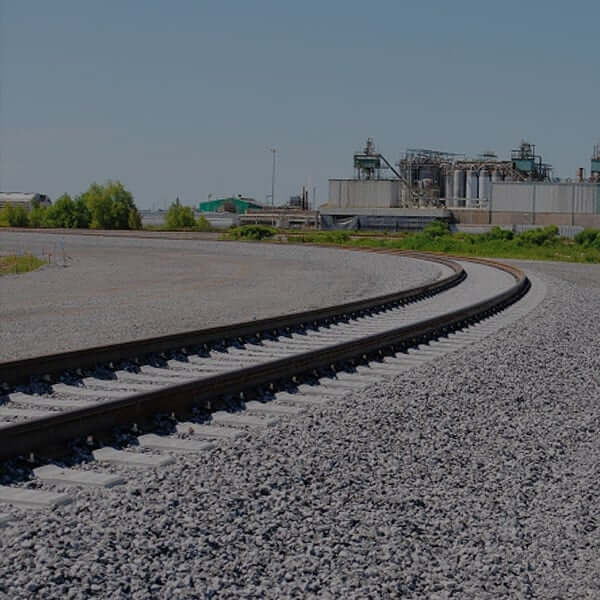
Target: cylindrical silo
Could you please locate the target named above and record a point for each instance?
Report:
(459, 183)
(484, 185)
(449, 193)
(496, 176)
(471, 188)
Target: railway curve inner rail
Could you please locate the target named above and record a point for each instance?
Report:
(210, 392)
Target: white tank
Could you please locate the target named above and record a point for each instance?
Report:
(459, 183)
(471, 188)
(484, 185)
(449, 194)
(496, 176)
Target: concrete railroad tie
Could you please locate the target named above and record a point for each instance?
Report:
(4, 520)
(273, 409)
(25, 413)
(54, 474)
(131, 459)
(211, 432)
(162, 442)
(32, 400)
(225, 418)
(301, 399)
(36, 499)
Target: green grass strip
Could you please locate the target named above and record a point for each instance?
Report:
(13, 264)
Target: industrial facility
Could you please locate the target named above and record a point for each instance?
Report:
(429, 184)
(23, 199)
(234, 204)
(455, 180)
(595, 164)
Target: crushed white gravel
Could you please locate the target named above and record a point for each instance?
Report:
(476, 477)
(118, 289)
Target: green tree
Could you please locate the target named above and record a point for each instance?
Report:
(59, 214)
(111, 206)
(203, 224)
(134, 219)
(37, 216)
(66, 212)
(14, 216)
(179, 216)
(81, 214)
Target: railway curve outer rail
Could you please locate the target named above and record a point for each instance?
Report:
(209, 392)
(21, 371)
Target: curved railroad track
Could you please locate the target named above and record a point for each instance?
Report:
(287, 363)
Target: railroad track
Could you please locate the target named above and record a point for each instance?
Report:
(220, 383)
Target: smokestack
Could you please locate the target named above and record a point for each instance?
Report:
(580, 175)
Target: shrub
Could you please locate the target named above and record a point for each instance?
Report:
(134, 219)
(179, 217)
(587, 237)
(436, 229)
(202, 224)
(546, 236)
(327, 237)
(497, 233)
(252, 232)
(14, 216)
(37, 216)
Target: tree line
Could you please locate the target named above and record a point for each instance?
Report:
(108, 206)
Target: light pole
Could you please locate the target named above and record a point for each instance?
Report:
(274, 151)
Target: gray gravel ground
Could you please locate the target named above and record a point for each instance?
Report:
(118, 289)
(476, 478)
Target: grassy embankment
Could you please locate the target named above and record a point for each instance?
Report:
(19, 264)
(538, 244)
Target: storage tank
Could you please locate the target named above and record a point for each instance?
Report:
(484, 185)
(459, 183)
(449, 193)
(471, 188)
(496, 176)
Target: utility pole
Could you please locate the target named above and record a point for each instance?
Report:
(274, 151)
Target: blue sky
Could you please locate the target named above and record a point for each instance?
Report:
(185, 98)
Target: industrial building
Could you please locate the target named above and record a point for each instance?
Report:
(537, 203)
(283, 217)
(376, 200)
(595, 164)
(234, 204)
(23, 199)
(430, 184)
(455, 180)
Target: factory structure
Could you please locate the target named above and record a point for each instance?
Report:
(26, 200)
(424, 185)
(595, 168)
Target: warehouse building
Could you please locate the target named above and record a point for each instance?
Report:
(23, 199)
(234, 204)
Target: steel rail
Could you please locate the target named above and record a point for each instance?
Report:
(22, 370)
(209, 392)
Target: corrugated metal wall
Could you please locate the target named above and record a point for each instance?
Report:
(508, 197)
(373, 193)
(546, 197)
